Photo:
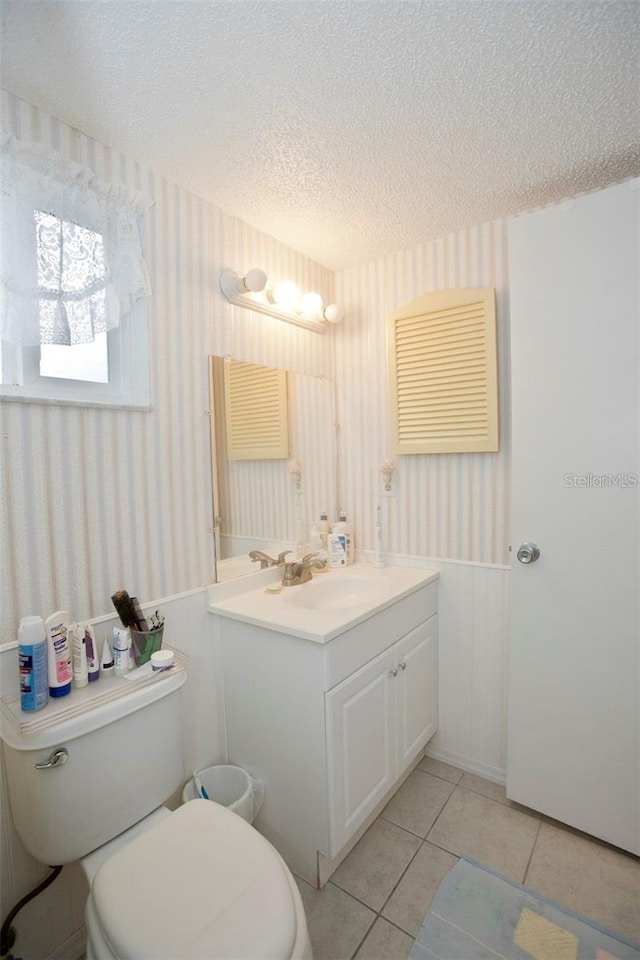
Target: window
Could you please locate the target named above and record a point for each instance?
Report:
(73, 324)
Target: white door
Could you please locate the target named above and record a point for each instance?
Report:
(573, 723)
(415, 692)
(361, 746)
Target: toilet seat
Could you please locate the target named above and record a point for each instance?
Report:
(200, 883)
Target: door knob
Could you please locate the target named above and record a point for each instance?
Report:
(528, 553)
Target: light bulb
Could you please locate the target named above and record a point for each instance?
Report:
(311, 304)
(333, 313)
(286, 295)
(255, 280)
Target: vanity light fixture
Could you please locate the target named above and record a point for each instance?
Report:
(284, 302)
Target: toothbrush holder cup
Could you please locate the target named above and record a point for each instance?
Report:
(146, 642)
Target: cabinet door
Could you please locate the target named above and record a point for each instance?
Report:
(416, 694)
(360, 746)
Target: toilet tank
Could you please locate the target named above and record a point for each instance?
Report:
(124, 760)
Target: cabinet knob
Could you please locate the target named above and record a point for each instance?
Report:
(402, 665)
(394, 673)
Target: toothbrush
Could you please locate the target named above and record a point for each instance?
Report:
(378, 562)
(200, 790)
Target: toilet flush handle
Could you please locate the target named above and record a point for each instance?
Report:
(56, 759)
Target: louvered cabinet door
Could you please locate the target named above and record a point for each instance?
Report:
(257, 419)
(443, 373)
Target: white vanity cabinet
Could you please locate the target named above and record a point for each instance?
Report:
(331, 721)
(378, 721)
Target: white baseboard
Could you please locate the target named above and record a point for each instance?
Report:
(73, 948)
(486, 770)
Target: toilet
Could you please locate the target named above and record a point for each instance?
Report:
(87, 782)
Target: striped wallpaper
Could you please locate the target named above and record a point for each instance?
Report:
(452, 506)
(96, 499)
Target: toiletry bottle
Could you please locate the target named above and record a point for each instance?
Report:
(130, 652)
(337, 550)
(317, 546)
(79, 654)
(93, 660)
(343, 529)
(58, 653)
(106, 661)
(324, 528)
(121, 644)
(315, 540)
(32, 658)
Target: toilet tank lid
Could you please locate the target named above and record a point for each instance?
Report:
(201, 883)
(85, 709)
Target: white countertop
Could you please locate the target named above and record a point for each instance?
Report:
(248, 599)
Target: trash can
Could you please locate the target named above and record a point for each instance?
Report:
(230, 786)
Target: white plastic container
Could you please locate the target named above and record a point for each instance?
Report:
(106, 660)
(162, 660)
(32, 658)
(121, 644)
(59, 666)
(343, 530)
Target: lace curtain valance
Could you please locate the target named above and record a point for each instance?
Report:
(71, 256)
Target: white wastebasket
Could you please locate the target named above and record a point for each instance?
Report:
(229, 785)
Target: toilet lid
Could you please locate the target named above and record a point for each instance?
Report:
(200, 884)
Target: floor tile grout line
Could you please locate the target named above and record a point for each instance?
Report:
(366, 934)
(535, 843)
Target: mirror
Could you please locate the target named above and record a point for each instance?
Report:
(259, 503)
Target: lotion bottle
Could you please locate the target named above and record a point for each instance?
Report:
(106, 663)
(59, 653)
(32, 657)
(79, 654)
(343, 530)
(93, 659)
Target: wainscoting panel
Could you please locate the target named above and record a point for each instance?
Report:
(473, 624)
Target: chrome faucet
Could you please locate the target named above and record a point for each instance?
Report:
(266, 560)
(299, 571)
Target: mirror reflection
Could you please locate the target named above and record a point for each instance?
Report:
(268, 502)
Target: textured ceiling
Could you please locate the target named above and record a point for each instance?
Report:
(345, 128)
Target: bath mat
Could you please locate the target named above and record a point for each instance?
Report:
(478, 914)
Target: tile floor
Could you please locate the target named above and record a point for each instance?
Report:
(374, 904)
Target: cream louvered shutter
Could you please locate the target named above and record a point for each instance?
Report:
(256, 412)
(443, 373)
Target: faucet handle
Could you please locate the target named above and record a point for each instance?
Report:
(290, 575)
(313, 560)
(280, 561)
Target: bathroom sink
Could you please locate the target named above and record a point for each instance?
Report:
(336, 595)
(320, 609)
